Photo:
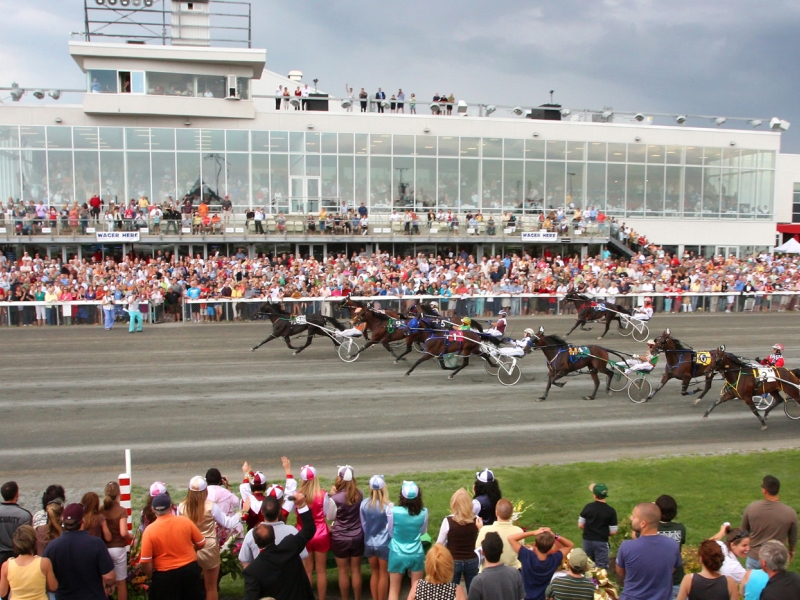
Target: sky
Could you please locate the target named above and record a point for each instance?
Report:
(734, 58)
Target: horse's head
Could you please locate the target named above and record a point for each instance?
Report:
(664, 342)
(718, 358)
(536, 337)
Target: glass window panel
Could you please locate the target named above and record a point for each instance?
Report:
(260, 179)
(675, 155)
(85, 138)
(693, 193)
(137, 82)
(748, 158)
(492, 147)
(597, 151)
(346, 177)
(59, 170)
(362, 144)
(492, 192)
(672, 191)
(596, 184)
(635, 190)
(162, 139)
(279, 141)
(171, 84)
(297, 165)
(237, 140)
(426, 145)
(34, 175)
(767, 159)
(576, 184)
(713, 156)
(9, 175)
(31, 136)
(534, 184)
(656, 155)
(711, 194)
(513, 148)
(403, 144)
(380, 144)
(329, 143)
(102, 81)
(312, 142)
(576, 150)
(188, 139)
(279, 176)
(637, 153)
(765, 193)
(213, 86)
(470, 147)
(535, 149)
(346, 143)
(138, 175)
(59, 137)
(361, 175)
(112, 177)
(296, 141)
(616, 152)
(730, 157)
(165, 181)
(512, 184)
(403, 177)
(380, 182)
(694, 155)
(748, 182)
(212, 140)
(110, 138)
(730, 193)
(555, 174)
(9, 136)
(654, 201)
(260, 141)
(470, 175)
(425, 189)
(615, 184)
(448, 182)
(188, 172)
(137, 138)
(329, 183)
(213, 175)
(238, 178)
(87, 175)
(556, 150)
(312, 165)
(448, 146)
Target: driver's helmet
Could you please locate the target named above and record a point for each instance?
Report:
(502, 313)
(648, 300)
(466, 321)
(529, 332)
(434, 304)
(778, 348)
(651, 342)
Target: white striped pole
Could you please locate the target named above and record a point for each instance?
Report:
(125, 490)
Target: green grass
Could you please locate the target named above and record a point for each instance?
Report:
(709, 490)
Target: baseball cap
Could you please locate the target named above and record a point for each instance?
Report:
(259, 478)
(73, 513)
(307, 473)
(577, 559)
(162, 502)
(485, 476)
(377, 482)
(346, 473)
(275, 491)
(599, 489)
(157, 489)
(409, 490)
(197, 484)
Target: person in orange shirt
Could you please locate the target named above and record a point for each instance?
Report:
(202, 209)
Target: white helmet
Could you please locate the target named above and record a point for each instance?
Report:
(529, 332)
(434, 304)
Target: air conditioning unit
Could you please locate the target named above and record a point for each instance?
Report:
(232, 89)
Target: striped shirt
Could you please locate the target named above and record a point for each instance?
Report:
(571, 588)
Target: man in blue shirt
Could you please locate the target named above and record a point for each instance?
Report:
(539, 563)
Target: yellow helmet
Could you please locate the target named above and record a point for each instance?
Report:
(466, 321)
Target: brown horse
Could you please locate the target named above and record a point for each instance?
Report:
(564, 358)
(685, 363)
(456, 342)
(742, 380)
(593, 310)
(286, 326)
(385, 329)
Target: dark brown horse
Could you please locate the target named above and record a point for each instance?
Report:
(685, 363)
(564, 358)
(348, 302)
(590, 310)
(457, 343)
(385, 329)
(286, 326)
(743, 380)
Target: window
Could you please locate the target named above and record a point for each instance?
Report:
(796, 203)
(102, 82)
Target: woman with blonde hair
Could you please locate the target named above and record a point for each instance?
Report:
(27, 577)
(342, 507)
(117, 523)
(459, 532)
(375, 524)
(319, 545)
(438, 583)
(206, 515)
(51, 528)
(94, 523)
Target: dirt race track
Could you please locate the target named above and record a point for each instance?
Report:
(187, 397)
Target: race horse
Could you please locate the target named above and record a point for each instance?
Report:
(348, 302)
(685, 363)
(385, 329)
(591, 310)
(564, 358)
(451, 342)
(286, 326)
(424, 308)
(744, 380)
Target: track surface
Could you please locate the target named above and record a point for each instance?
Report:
(187, 397)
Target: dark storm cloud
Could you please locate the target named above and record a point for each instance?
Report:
(733, 58)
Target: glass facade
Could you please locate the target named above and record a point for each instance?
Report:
(154, 83)
(299, 171)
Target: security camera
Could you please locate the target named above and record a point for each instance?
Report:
(680, 119)
(639, 117)
(517, 110)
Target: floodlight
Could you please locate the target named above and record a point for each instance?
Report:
(720, 120)
(347, 103)
(461, 108)
(100, 2)
(148, 3)
(384, 104)
(54, 94)
(295, 102)
(680, 119)
(436, 108)
(607, 114)
(16, 92)
(777, 124)
(565, 112)
(137, 2)
(639, 117)
(756, 122)
(112, 2)
(38, 94)
(517, 110)
(490, 109)
(124, 2)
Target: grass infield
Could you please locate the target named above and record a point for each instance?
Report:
(709, 490)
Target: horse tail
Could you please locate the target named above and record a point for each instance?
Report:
(614, 352)
(795, 372)
(335, 323)
(476, 325)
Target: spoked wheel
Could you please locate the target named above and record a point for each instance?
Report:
(508, 373)
(491, 365)
(418, 346)
(640, 332)
(625, 327)
(639, 390)
(791, 408)
(348, 350)
(762, 403)
(618, 380)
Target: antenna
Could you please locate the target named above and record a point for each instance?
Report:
(551, 95)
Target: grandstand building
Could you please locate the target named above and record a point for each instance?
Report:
(180, 115)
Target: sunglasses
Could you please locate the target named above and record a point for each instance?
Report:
(740, 536)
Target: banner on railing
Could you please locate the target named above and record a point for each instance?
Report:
(539, 236)
(117, 236)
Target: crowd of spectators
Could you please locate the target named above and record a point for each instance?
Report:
(463, 284)
(77, 549)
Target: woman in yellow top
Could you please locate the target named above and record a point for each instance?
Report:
(28, 576)
(236, 293)
(323, 216)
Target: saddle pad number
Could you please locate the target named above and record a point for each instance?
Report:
(456, 336)
(703, 358)
(578, 351)
(765, 374)
(300, 320)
